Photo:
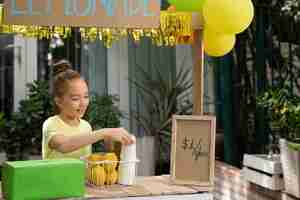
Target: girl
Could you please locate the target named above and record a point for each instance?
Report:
(66, 135)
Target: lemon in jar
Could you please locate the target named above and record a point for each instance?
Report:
(89, 171)
(114, 177)
(96, 157)
(98, 175)
(112, 157)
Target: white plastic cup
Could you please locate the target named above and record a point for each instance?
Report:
(127, 172)
(128, 152)
(127, 168)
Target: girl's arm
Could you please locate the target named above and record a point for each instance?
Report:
(67, 144)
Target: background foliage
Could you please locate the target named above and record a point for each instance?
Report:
(161, 97)
(103, 112)
(284, 111)
(22, 134)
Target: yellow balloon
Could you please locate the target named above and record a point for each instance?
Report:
(217, 44)
(1, 13)
(228, 16)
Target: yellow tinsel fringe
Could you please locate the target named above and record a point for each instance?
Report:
(175, 28)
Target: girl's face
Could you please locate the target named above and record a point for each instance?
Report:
(75, 101)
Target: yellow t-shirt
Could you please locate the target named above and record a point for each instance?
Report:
(55, 125)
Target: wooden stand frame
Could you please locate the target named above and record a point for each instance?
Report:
(185, 170)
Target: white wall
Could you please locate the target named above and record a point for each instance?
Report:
(25, 66)
(117, 75)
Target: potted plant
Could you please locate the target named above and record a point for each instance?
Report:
(160, 98)
(22, 133)
(104, 113)
(284, 109)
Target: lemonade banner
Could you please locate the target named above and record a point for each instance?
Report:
(106, 20)
(83, 13)
(175, 28)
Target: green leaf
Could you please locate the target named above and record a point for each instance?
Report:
(294, 146)
(161, 97)
(103, 111)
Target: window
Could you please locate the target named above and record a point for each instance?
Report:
(6, 73)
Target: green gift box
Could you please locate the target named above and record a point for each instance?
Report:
(43, 179)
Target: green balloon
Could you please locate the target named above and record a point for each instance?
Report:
(187, 5)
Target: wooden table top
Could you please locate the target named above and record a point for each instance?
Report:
(146, 188)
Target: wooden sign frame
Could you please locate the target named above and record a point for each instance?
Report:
(206, 127)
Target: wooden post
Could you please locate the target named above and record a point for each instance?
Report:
(198, 73)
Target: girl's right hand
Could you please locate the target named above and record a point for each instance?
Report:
(118, 134)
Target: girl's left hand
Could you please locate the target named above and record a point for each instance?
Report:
(119, 134)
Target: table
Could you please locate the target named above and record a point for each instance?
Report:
(146, 188)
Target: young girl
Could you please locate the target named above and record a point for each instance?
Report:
(66, 135)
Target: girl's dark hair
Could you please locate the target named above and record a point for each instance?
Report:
(63, 73)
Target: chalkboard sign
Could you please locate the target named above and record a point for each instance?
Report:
(193, 150)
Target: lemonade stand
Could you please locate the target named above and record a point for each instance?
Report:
(192, 22)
